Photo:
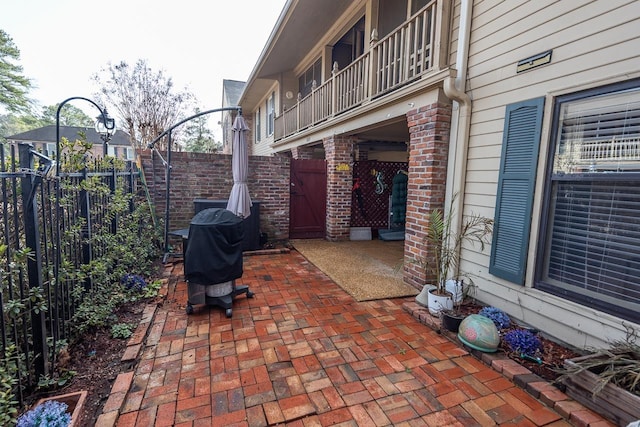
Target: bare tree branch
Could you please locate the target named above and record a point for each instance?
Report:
(146, 101)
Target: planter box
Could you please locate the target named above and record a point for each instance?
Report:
(612, 402)
(74, 401)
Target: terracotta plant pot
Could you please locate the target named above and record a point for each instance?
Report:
(74, 401)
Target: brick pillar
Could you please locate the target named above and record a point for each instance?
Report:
(428, 152)
(302, 153)
(338, 152)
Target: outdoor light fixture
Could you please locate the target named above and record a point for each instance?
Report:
(106, 128)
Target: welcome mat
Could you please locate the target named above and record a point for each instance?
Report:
(366, 269)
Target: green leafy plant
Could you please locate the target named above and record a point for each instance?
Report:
(445, 240)
(47, 382)
(152, 289)
(122, 330)
(9, 367)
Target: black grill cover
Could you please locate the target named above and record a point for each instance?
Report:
(214, 248)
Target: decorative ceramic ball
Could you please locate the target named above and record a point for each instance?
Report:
(480, 333)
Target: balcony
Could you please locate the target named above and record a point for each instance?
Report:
(390, 63)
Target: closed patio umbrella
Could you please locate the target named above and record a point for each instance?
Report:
(239, 201)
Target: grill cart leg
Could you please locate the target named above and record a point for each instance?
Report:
(223, 301)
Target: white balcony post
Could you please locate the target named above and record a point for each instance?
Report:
(334, 89)
(373, 67)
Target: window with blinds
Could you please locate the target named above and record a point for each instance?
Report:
(592, 239)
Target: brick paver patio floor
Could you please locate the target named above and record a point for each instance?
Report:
(302, 352)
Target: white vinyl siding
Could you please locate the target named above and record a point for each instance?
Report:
(593, 43)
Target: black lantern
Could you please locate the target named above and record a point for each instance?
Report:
(106, 128)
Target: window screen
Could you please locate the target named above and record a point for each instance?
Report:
(592, 239)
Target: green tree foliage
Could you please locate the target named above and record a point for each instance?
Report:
(146, 101)
(70, 115)
(12, 124)
(13, 85)
(198, 137)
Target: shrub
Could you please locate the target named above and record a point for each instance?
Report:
(499, 317)
(523, 341)
(50, 413)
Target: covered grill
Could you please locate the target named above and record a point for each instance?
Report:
(213, 259)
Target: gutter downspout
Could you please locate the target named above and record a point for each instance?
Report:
(454, 89)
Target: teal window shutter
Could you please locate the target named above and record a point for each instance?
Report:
(516, 185)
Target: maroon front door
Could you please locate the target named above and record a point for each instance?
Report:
(307, 215)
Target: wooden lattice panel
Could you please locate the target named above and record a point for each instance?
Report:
(373, 209)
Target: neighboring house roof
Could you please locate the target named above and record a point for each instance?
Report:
(48, 134)
(231, 91)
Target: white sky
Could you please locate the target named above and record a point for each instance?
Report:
(197, 43)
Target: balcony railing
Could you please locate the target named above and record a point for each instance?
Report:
(398, 59)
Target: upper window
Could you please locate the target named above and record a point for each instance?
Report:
(313, 73)
(258, 127)
(591, 250)
(271, 113)
(599, 134)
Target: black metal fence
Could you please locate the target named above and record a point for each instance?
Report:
(49, 234)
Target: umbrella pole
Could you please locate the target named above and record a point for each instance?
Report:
(168, 165)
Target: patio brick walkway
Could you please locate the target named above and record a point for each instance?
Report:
(302, 352)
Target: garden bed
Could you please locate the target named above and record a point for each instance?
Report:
(553, 354)
(96, 360)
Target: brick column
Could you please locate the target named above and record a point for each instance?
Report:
(428, 152)
(339, 182)
(302, 153)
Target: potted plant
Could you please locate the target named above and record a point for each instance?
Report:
(608, 380)
(58, 411)
(446, 243)
(460, 290)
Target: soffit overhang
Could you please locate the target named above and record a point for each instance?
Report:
(300, 26)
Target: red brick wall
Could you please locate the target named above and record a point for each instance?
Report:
(428, 148)
(208, 176)
(338, 152)
(302, 153)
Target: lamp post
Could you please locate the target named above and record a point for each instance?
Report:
(109, 125)
(106, 128)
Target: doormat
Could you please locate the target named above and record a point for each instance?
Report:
(366, 269)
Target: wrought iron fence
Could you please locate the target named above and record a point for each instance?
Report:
(49, 233)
